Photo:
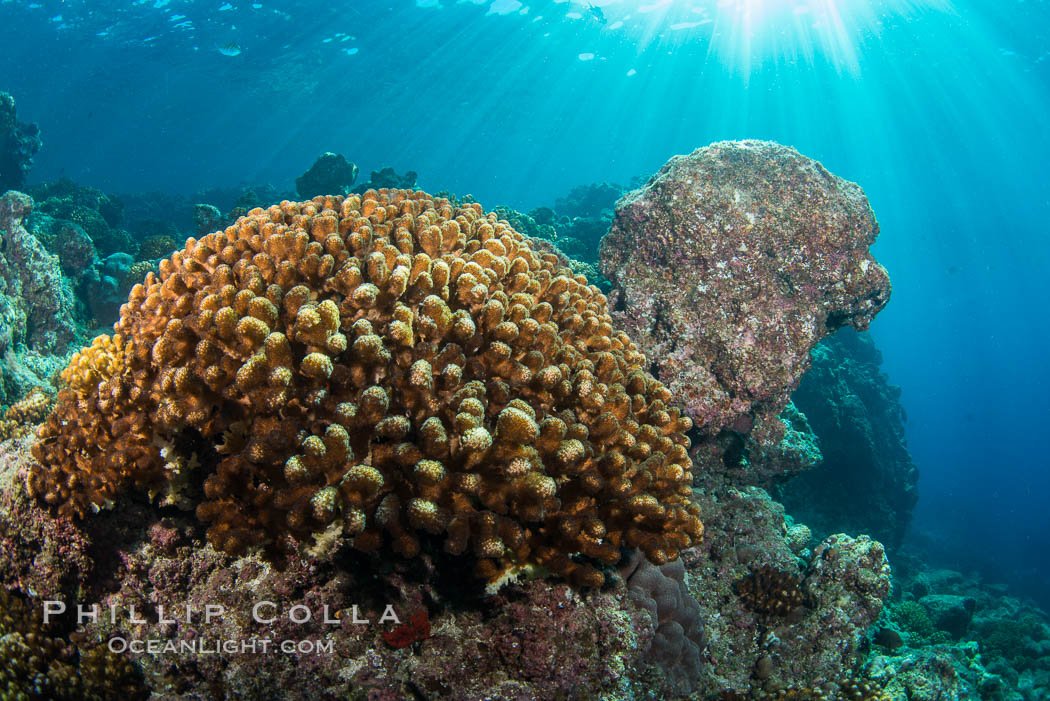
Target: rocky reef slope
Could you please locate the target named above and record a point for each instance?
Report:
(396, 450)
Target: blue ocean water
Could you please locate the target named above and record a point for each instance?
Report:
(937, 108)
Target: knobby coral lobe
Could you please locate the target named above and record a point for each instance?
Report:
(389, 365)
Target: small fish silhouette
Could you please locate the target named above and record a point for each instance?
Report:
(597, 13)
(230, 49)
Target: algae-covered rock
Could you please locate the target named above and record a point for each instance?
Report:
(839, 590)
(857, 415)
(36, 302)
(389, 179)
(730, 264)
(19, 142)
(949, 613)
(331, 174)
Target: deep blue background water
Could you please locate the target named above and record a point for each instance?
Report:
(936, 109)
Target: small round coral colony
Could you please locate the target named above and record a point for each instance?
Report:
(387, 365)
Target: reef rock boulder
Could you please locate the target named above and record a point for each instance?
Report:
(777, 616)
(19, 142)
(331, 174)
(37, 303)
(387, 178)
(857, 414)
(730, 264)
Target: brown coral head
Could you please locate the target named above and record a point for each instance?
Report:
(771, 593)
(390, 365)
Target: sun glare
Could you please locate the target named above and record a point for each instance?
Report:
(746, 34)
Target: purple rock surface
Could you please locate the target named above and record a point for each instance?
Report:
(730, 264)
